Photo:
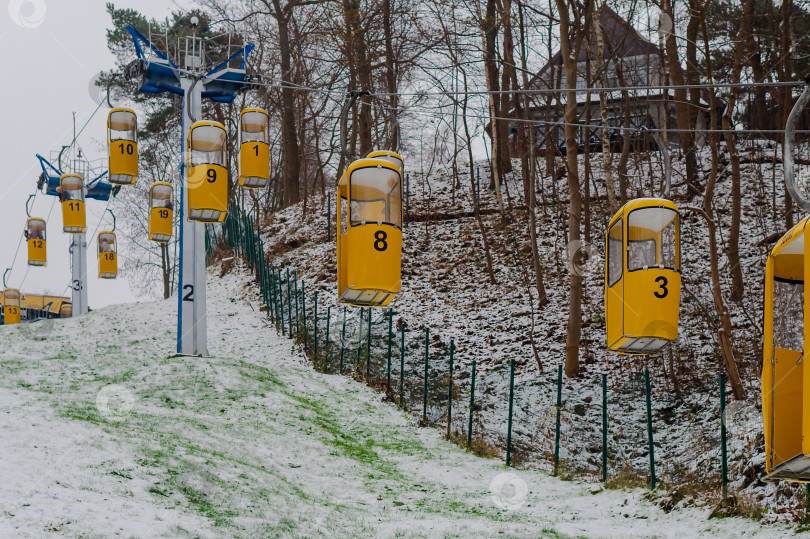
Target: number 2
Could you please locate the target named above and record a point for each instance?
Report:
(663, 284)
(190, 295)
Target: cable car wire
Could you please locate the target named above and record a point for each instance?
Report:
(595, 126)
(595, 89)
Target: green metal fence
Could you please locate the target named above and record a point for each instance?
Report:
(420, 371)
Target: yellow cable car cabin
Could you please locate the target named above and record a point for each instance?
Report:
(161, 213)
(785, 403)
(71, 193)
(206, 175)
(35, 237)
(11, 306)
(254, 149)
(369, 233)
(66, 310)
(122, 146)
(107, 255)
(387, 155)
(642, 276)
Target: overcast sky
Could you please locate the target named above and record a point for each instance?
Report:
(52, 51)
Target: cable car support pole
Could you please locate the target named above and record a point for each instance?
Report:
(78, 281)
(192, 327)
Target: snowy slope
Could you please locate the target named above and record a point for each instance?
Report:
(103, 435)
(445, 288)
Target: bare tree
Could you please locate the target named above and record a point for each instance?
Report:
(569, 49)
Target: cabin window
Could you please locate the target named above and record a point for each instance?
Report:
(615, 262)
(652, 239)
(788, 314)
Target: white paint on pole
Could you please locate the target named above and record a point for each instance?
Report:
(192, 329)
(78, 282)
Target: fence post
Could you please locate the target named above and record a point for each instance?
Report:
(368, 345)
(281, 301)
(509, 423)
(557, 427)
(649, 427)
(304, 314)
(326, 341)
(424, 394)
(359, 344)
(402, 364)
(390, 339)
(315, 333)
(343, 340)
(723, 453)
(450, 388)
(604, 428)
(289, 303)
(277, 299)
(472, 405)
(272, 284)
(297, 313)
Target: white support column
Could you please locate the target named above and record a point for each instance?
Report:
(192, 329)
(78, 283)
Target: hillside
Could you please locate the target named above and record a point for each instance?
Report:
(446, 289)
(106, 436)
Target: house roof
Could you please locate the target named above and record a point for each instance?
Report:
(620, 40)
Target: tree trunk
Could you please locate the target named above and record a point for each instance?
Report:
(165, 270)
(290, 156)
(575, 200)
(686, 137)
(528, 165)
(725, 333)
(390, 71)
(737, 283)
(785, 75)
(607, 155)
(489, 28)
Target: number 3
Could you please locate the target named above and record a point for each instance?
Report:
(663, 284)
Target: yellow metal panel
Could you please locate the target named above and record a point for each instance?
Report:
(651, 302)
(123, 162)
(786, 402)
(766, 382)
(11, 314)
(107, 265)
(803, 410)
(254, 163)
(208, 190)
(160, 224)
(73, 216)
(373, 258)
(37, 252)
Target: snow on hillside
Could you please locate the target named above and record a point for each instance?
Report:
(104, 435)
(445, 288)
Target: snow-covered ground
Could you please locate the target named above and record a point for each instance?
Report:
(104, 435)
(445, 288)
